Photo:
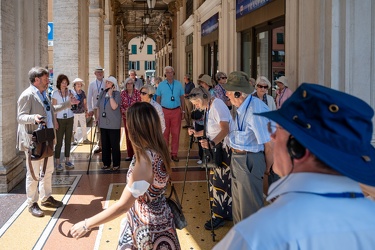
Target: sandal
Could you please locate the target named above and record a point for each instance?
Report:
(116, 168)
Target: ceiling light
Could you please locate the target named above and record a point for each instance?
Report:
(151, 4)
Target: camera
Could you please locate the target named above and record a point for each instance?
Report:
(74, 107)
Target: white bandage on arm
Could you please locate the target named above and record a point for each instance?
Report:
(138, 188)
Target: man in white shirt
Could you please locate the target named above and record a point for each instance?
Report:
(94, 90)
(322, 151)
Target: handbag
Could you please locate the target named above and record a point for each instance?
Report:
(176, 209)
(41, 147)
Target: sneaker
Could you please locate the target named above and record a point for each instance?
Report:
(59, 168)
(52, 203)
(75, 143)
(199, 162)
(216, 223)
(86, 141)
(69, 165)
(98, 150)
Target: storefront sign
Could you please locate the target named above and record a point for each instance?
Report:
(210, 25)
(50, 34)
(244, 7)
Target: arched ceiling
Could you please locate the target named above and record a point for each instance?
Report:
(130, 13)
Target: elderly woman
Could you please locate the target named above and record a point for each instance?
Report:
(220, 92)
(206, 82)
(147, 93)
(129, 96)
(217, 117)
(108, 111)
(262, 85)
(283, 92)
(80, 111)
(63, 122)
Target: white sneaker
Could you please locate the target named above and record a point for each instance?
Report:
(199, 162)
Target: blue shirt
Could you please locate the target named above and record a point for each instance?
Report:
(248, 131)
(43, 97)
(166, 91)
(189, 87)
(301, 219)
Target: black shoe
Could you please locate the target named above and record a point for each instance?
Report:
(128, 158)
(35, 210)
(52, 203)
(186, 126)
(216, 223)
(175, 158)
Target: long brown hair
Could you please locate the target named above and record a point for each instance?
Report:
(145, 132)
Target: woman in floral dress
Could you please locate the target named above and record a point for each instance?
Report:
(148, 223)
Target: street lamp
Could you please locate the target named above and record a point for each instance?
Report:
(151, 4)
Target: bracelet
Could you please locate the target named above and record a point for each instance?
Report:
(85, 228)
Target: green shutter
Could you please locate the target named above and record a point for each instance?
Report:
(153, 65)
(134, 49)
(130, 65)
(149, 49)
(138, 65)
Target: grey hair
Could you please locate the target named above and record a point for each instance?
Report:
(132, 71)
(219, 75)
(262, 79)
(37, 72)
(150, 89)
(168, 67)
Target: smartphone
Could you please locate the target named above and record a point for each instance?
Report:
(42, 118)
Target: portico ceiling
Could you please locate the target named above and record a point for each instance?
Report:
(131, 13)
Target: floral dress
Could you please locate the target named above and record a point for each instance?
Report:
(149, 223)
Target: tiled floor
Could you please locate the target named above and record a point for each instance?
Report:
(86, 194)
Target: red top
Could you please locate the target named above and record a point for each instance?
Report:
(127, 100)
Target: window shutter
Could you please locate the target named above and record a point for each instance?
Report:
(149, 49)
(138, 64)
(134, 49)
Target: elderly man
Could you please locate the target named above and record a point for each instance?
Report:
(138, 83)
(34, 107)
(251, 147)
(322, 143)
(95, 89)
(170, 95)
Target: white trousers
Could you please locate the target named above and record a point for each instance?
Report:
(81, 118)
(45, 185)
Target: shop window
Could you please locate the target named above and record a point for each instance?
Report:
(134, 65)
(149, 65)
(280, 38)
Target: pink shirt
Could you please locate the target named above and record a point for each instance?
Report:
(282, 95)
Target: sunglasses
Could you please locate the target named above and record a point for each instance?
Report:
(48, 108)
(143, 93)
(263, 87)
(224, 77)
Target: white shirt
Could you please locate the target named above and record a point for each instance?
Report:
(218, 112)
(94, 90)
(307, 220)
(56, 94)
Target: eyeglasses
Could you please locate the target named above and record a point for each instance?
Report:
(224, 77)
(262, 86)
(272, 127)
(143, 93)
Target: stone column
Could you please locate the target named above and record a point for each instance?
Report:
(23, 43)
(96, 37)
(332, 42)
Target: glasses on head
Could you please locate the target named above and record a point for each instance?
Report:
(224, 77)
(143, 93)
(262, 86)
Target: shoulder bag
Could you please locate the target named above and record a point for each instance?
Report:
(176, 209)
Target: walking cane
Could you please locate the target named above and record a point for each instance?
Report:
(191, 140)
(91, 148)
(206, 157)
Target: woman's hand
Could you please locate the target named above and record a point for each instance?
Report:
(191, 131)
(78, 230)
(204, 143)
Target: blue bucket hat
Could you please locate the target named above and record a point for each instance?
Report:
(336, 127)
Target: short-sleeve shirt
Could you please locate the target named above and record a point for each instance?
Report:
(112, 119)
(127, 100)
(218, 112)
(248, 131)
(81, 105)
(60, 99)
(166, 91)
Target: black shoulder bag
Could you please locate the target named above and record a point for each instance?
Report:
(176, 209)
(214, 155)
(41, 147)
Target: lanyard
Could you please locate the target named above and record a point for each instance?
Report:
(170, 86)
(333, 195)
(106, 101)
(282, 96)
(97, 86)
(62, 96)
(238, 117)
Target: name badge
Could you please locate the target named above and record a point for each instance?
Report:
(104, 114)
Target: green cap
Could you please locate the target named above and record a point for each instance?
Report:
(238, 81)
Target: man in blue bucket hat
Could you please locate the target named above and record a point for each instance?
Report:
(322, 151)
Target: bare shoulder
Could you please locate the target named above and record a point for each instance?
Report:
(143, 169)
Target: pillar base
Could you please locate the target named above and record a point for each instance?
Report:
(12, 174)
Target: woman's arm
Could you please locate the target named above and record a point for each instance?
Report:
(224, 130)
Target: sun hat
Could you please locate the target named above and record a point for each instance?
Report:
(99, 68)
(238, 81)
(283, 80)
(207, 79)
(78, 80)
(112, 80)
(336, 127)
